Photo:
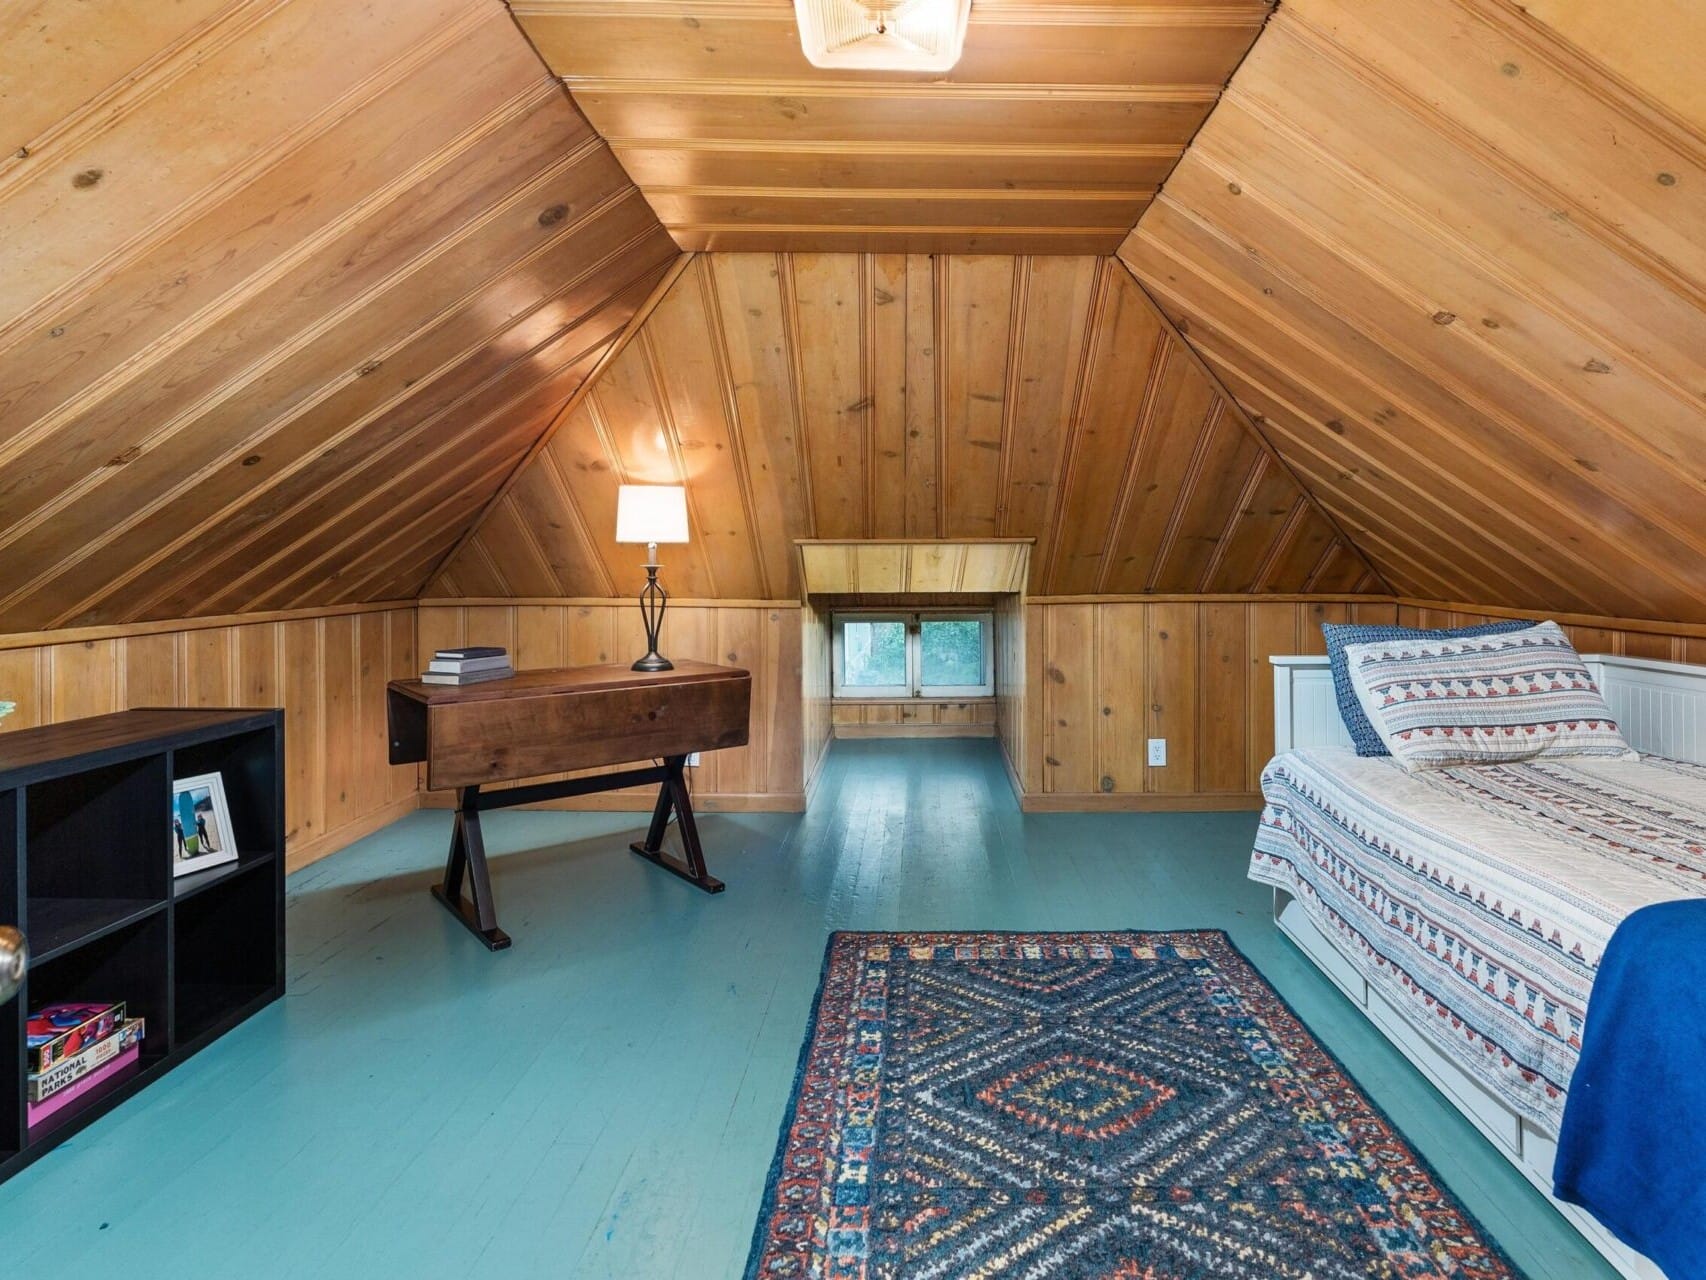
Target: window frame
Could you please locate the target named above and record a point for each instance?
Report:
(915, 686)
(885, 692)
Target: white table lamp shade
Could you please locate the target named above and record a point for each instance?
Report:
(651, 513)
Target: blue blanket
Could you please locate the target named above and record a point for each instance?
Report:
(1633, 1147)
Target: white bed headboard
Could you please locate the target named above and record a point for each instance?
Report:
(1661, 706)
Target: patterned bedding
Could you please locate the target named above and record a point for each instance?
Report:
(1479, 900)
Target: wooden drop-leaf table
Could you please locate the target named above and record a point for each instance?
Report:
(548, 722)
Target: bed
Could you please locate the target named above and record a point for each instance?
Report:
(1465, 910)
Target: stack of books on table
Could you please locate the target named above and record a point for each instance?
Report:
(74, 1048)
(467, 666)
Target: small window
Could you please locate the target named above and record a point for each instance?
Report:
(920, 655)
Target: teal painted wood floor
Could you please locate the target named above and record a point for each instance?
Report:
(603, 1099)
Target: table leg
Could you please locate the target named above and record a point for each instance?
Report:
(672, 794)
(468, 854)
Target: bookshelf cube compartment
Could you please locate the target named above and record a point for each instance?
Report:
(127, 965)
(227, 952)
(245, 763)
(93, 861)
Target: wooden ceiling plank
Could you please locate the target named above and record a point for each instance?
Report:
(978, 305)
(68, 79)
(316, 281)
(1221, 469)
(474, 401)
(438, 483)
(751, 330)
(61, 222)
(318, 337)
(169, 290)
(1429, 528)
(660, 288)
(799, 238)
(185, 294)
(341, 435)
(681, 337)
(293, 483)
(1549, 118)
(1045, 370)
(1473, 204)
(1406, 405)
(542, 500)
(340, 511)
(918, 168)
(830, 335)
(1403, 255)
(1128, 333)
(1114, 45)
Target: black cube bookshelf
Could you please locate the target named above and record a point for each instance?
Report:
(86, 873)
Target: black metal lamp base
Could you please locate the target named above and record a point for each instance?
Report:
(653, 601)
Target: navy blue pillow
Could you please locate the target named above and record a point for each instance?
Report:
(1364, 736)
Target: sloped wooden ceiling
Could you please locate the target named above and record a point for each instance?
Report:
(1457, 266)
(853, 396)
(1050, 136)
(286, 290)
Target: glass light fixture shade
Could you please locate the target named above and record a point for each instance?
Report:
(883, 35)
(651, 513)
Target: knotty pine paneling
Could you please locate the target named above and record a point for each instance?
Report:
(1628, 637)
(915, 571)
(1452, 255)
(913, 718)
(279, 313)
(769, 773)
(1103, 677)
(1049, 136)
(816, 686)
(848, 397)
(328, 673)
(1014, 675)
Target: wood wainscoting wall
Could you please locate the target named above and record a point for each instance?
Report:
(914, 718)
(328, 672)
(817, 683)
(1629, 637)
(1102, 676)
(769, 773)
(1083, 684)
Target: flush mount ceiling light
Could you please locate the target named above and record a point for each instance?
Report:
(883, 35)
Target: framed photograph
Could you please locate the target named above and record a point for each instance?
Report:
(201, 825)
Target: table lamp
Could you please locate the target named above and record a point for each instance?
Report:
(652, 513)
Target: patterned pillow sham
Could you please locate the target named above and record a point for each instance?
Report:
(1483, 700)
(1364, 736)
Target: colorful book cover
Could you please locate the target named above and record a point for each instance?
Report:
(58, 1031)
(74, 1068)
(39, 1111)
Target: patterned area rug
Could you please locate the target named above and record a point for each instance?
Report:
(1087, 1106)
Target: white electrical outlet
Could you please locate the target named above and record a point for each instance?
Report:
(1157, 752)
(692, 759)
